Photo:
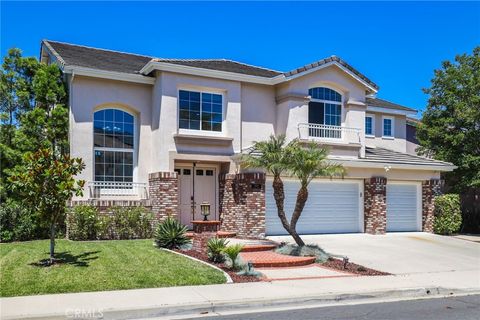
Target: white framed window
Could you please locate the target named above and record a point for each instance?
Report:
(369, 125)
(388, 127)
(200, 110)
(114, 145)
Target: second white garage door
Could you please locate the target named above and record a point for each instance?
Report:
(403, 207)
(332, 207)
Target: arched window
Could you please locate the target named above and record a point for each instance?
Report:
(114, 145)
(325, 107)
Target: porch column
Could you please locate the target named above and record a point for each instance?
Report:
(375, 201)
(430, 190)
(242, 203)
(163, 193)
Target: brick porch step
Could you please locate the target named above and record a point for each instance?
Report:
(220, 234)
(258, 247)
(270, 259)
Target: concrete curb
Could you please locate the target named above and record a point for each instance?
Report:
(244, 306)
(227, 276)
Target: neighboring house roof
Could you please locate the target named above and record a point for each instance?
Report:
(413, 122)
(108, 60)
(377, 102)
(389, 156)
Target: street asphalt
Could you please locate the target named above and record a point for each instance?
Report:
(452, 308)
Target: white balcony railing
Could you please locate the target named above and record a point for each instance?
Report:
(328, 133)
(100, 189)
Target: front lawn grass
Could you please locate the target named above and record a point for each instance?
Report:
(96, 266)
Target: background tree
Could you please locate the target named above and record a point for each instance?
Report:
(305, 162)
(450, 127)
(46, 182)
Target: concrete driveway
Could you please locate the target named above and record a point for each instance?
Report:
(401, 253)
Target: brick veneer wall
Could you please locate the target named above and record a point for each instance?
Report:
(242, 204)
(163, 192)
(375, 201)
(430, 190)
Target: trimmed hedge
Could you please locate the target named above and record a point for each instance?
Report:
(85, 222)
(448, 215)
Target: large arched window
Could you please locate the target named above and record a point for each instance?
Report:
(114, 145)
(325, 107)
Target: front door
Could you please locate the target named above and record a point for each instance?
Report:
(196, 185)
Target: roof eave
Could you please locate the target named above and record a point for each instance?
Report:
(365, 163)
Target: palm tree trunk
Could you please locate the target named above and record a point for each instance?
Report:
(52, 243)
(279, 195)
(302, 197)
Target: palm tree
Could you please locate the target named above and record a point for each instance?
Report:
(306, 163)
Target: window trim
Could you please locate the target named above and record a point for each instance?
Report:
(201, 131)
(392, 136)
(372, 134)
(134, 150)
(338, 103)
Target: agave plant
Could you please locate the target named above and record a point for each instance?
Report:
(215, 247)
(171, 234)
(232, 253)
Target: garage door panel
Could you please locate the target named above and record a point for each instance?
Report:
(402, 207)
(332, 207)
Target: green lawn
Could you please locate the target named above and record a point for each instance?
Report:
(96, 265)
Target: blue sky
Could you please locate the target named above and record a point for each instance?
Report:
(397, 45)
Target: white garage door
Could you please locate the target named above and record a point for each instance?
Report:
(332, 207)
(403, 207)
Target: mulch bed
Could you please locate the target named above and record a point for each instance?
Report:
(337, 264)
(233, 274)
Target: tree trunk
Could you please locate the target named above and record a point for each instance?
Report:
(302, 197)
(52, 243)
(279, 195)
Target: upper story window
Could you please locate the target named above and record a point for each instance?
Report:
(369, 125)
(200, 111)
(114, 145)
(325, 107)
(388, 127)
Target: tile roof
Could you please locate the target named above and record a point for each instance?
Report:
(81, 56)
(109, 60)
(389, 156)
(332, 59)
(376, 102)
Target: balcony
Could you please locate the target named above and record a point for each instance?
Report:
(329, 134)
(106, 189)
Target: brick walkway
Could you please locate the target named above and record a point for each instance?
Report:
(270, 259)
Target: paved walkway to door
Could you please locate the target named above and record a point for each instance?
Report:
(401, 253)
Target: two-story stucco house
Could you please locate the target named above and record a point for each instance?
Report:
(168, 133)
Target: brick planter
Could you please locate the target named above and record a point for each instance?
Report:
(205, 226)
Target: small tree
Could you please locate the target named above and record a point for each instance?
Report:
(46, 182)
(304, 162)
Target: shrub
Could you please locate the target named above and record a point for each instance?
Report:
(448, 215)
(232, 253)
(105, 227)
(215, 247)
(309, 250)
(83, 223)
(18, 223)
(171, 234)
(132, 222)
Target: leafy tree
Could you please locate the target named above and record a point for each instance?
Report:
(46, 182)
(305, 162)
(450, 128)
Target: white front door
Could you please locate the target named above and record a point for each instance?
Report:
(196, 185)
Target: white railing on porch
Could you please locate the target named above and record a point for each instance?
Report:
(100, 189)
(323, 132)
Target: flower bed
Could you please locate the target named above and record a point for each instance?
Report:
(337, 264)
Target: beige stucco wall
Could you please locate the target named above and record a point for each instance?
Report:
(259, 112)
(399, 142)
(89, 94)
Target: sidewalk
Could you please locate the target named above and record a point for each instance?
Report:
(196, 300)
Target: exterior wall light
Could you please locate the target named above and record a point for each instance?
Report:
(205, 210)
